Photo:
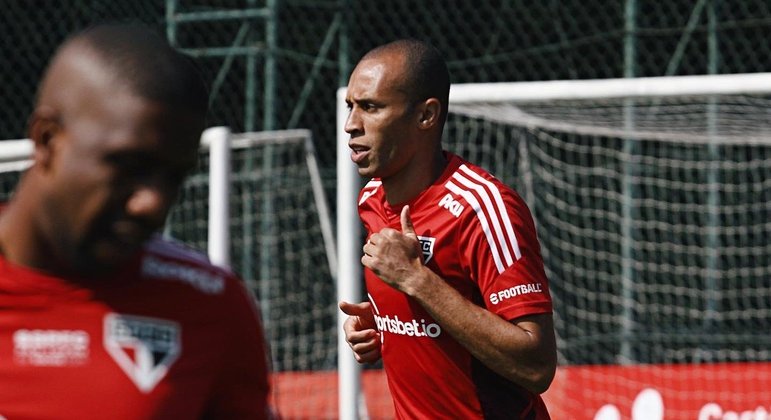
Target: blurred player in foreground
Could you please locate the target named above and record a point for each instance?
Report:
(459, 306)
(100, 317)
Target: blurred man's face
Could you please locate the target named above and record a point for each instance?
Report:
(116, 168)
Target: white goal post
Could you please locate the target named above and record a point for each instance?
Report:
(219, 141)
(611, 130)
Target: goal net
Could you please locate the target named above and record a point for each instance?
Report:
(280, 243)
(652, 203)
(652, 200)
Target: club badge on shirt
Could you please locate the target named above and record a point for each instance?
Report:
(143, 347)
(427, 247)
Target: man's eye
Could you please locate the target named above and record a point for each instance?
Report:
(133, 168)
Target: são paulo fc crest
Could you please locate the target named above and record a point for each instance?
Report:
(144, 348)
(427, 247)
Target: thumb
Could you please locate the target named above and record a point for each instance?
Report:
(407, 227)
(355, 309)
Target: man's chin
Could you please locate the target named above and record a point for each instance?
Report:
(104, 260)
(366, 171)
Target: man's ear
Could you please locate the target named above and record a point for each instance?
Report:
(43, 126)
(430, 113)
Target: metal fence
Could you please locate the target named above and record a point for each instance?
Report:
(275, 64)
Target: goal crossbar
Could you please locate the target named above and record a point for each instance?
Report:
(719, 84)
(714, 109)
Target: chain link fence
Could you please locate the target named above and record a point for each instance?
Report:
(275, 64)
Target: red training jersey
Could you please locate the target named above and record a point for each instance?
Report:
(169, 337)
(477, 235)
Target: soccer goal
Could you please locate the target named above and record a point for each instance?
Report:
(652, 199)
(256, 203)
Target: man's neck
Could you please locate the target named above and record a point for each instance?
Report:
(21, 239)
(412, 181)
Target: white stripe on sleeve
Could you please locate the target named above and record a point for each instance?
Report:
(501, 209)
(483, 194)
(469, 197)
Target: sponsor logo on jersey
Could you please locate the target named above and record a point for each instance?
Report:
(200, 279)
(427, 247)
(144, 348)
(411, 327)
(50, 347)
(514, 291)
(449, 203)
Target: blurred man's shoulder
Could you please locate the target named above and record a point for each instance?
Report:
(171, 248)
(169, 259)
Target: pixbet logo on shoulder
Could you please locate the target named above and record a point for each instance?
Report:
(454, 207)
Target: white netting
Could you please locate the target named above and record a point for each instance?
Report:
(278, 242)
(652, 210)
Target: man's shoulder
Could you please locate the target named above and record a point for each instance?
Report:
(173, 249)
(170, 260)
(469, 180)
(479, 200)
(473, 171)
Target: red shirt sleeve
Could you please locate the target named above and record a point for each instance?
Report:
(504, 259)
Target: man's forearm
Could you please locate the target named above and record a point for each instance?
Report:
(523, 355)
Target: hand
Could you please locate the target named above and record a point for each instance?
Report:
(395, 256)
(361, 331)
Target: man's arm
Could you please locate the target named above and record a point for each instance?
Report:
(523, 351)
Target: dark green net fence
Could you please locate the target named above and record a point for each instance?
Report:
(277, 64)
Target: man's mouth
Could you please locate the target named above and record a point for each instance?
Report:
(358, 153)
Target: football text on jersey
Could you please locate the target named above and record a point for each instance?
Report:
(515, 291)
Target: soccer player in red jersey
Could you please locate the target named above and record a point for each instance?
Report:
(459, 305)
(100, 318)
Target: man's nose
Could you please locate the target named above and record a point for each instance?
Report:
(150, 201)
(353, 122)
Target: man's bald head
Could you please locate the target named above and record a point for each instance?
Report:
(425, 73)
(124, 57)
